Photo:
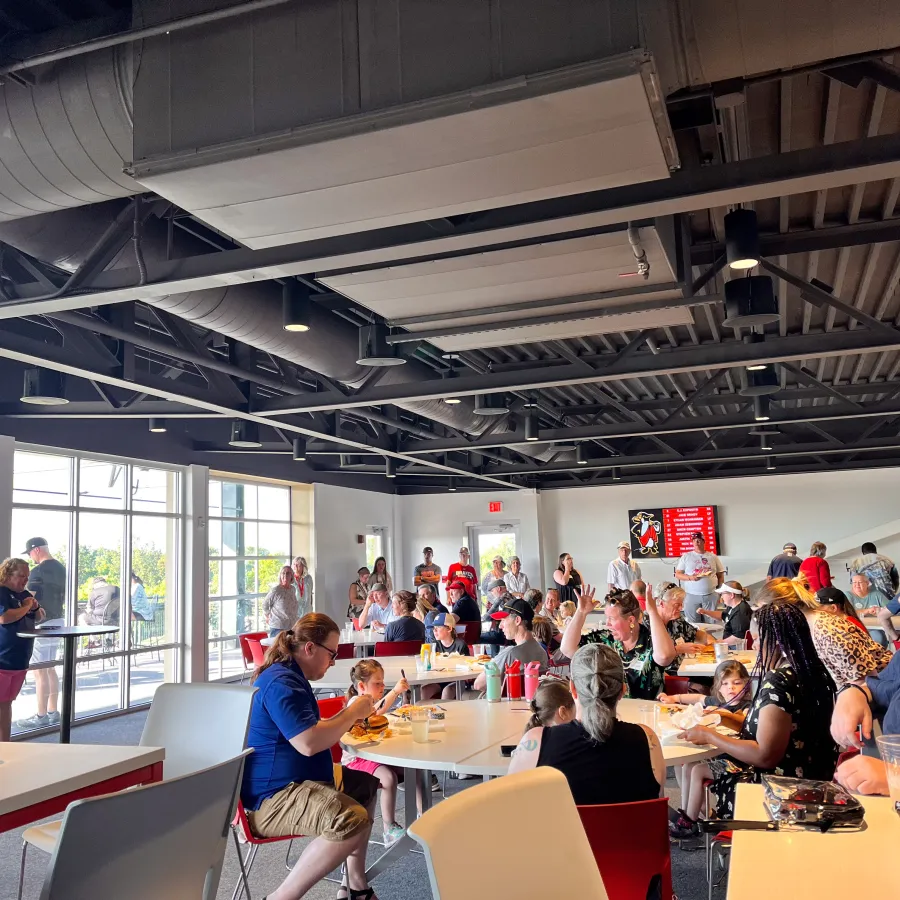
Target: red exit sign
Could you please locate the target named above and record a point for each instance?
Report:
(495, 506)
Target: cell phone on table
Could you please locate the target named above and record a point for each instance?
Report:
(507, 749)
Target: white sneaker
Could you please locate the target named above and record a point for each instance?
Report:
(393, 834)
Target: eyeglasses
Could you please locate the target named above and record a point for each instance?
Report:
(332, 653)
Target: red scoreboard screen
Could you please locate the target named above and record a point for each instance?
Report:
(666, 531)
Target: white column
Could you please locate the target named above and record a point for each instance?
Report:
(196, 574)
(7, 447)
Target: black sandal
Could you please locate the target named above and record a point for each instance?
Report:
(365, 894)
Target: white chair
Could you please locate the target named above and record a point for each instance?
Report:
(200, 725)
(162, 840)
(465, 824)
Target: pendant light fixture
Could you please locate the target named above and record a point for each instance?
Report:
(374, 350)
(741, 239)
(757, 338)
(491, 405)
(761, 381)
(750, 302)
(450, 374)
(390, 467)
(616, 474)
(44, 387)
(770, 463)
(580, 455)
(532, 427)
(761, 411)
(451, 484)
(299, 449)
(244, 435)
(765, 442)
(295, 306)
(158, 426)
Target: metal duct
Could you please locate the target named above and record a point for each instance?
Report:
(250, 313)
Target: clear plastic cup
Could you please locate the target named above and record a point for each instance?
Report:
(740, 646)
(419, 721)
(889, 748)
(721, 652)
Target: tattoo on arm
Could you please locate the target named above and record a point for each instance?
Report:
(526, 746)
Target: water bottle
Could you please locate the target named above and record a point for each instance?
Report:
(492, 674)
(532, 679)
(514, 679)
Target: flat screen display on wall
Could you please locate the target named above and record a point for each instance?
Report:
(666, 531)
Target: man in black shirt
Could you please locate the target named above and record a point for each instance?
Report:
(47, 582)
(786, 564)
(461, 604)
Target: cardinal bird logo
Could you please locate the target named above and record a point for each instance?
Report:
(647, 529)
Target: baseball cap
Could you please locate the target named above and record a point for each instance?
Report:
(515, 607)
(31, 543)
(698, 534)
(830, 595)
(447, 619)
(427, 550)
(789, 546)
(496, 583)
(457, 586)
(623, 545)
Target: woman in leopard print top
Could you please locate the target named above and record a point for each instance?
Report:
(848, 653)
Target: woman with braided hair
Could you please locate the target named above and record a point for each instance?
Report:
(786, 731)
(604, 760)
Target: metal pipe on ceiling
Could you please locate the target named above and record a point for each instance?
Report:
(139, 34)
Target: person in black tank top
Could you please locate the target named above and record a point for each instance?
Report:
(568, 578)
(604, 760)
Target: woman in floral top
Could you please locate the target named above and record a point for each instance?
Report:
(645, 651)
(787, 729)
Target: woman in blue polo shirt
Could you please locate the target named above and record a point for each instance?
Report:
(290, 784)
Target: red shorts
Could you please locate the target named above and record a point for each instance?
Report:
(11, 681)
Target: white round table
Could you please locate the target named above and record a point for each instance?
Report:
(706, 668)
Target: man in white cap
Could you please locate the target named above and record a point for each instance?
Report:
(622, 570)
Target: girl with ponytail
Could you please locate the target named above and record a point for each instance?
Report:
(604, 760)
(553, 704)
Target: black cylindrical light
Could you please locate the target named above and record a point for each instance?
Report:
(450, 374)
(580, 455)
(532, 427)
(761, 381)
(761, 408)
(44, 387)
(770, 463)
(756, 338)
(451, 485)
(616, 474)
(158, 426)
(491, 405)
(244, 434)
(374, 350)
(765, 442)
(299, 449)
(750, 302)
(295, 306)
(741, 239)
(390, 467)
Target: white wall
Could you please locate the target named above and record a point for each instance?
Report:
(440, 521)
(756, 517)
(340, 514)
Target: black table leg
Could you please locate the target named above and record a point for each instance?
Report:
(67, 710)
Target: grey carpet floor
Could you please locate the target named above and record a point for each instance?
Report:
(407, 880)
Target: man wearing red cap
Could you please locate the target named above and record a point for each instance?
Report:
(516, 619)
(461, 571)
(461, 604)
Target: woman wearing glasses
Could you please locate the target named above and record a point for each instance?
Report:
(290, 785)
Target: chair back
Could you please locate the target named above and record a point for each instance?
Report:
(257, 652)
(462, 826)
(200, 725)
(245, 647)
(355, 621)
(346, 651)
(472, 633)
(163, 840)
(397, 648)
(748, 637)
(328, 708)
(676, 685)
(628, 867)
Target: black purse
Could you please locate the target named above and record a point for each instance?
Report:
(813, 804)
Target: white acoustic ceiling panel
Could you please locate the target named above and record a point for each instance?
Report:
(577, 286)
(588, 128)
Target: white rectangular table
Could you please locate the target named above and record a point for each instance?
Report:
(808, 865)
(40, 780)
(705, 668)
(875, 625)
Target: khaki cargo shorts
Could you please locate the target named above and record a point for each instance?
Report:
(335, 811)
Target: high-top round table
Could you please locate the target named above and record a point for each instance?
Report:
(67, 634)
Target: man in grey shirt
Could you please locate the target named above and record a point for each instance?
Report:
(516, 619)
(700, 573)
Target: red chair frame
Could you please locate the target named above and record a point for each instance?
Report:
(397, 648)
(473, 632)
(345, 651)
(748, 637)
(257, 652)
(627, 868)
(246, 654)
(328, 708)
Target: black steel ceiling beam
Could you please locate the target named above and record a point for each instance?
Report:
(830, 166)
(803, 374)
(544, 373)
